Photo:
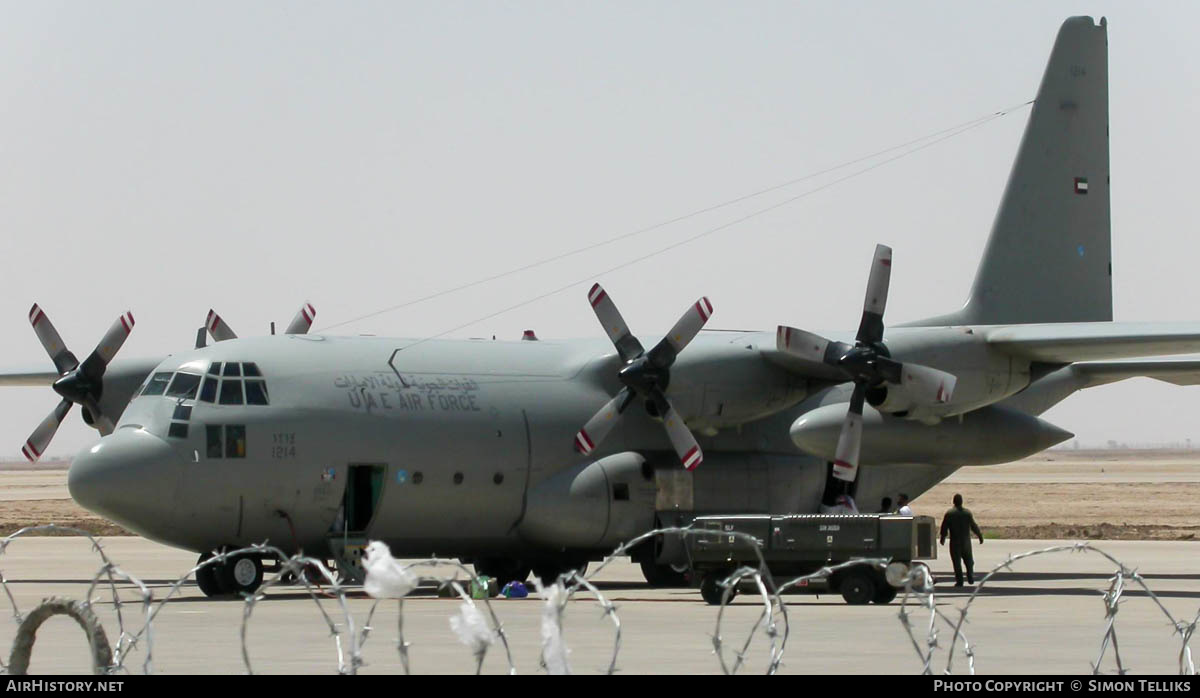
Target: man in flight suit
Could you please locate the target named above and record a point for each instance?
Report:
(959, 524)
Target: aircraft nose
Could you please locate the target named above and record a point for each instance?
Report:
(129, 477)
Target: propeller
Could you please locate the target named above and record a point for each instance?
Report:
(221, 331)
(867, 363)
(78, 383)
(644, 375)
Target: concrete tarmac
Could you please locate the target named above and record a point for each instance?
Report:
(1046, 616)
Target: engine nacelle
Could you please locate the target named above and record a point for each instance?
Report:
(989, 435)
(596, 504)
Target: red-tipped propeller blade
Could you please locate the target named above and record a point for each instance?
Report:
(927, 384)
(303, 320)
(62, 357)
(36, 445)
(614, 325)
(218, 328)
(845, 460)
(682, 439)
(601, 423)
(94, 365)
(870, 329)
(804, 345)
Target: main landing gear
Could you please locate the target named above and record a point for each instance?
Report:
(241, 574)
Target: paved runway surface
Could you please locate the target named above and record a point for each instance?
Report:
(1045, 617)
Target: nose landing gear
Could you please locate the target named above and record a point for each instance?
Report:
(241, 574)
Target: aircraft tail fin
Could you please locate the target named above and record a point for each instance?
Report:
(1049, 256)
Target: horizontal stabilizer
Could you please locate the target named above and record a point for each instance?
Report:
(1094, 341)
(1104, 372)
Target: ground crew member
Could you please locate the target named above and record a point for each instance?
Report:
(959, 524)
(905, 510)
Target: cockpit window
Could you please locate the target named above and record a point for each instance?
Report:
(208, 391)
(233, 383)
(184, 385)
(256, 392)
(157, 383)
(231, 392)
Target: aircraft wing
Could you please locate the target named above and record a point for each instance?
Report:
(1094, 341)
(17, 378)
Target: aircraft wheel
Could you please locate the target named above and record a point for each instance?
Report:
(503, 570)
(711, 591)
(663, 576)
(858, 587)
(241, 575)
(206, 578)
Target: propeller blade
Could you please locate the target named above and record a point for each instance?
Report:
(799, 343)
(606, 312)
(94, 365)
(685, 330)
(303, 320)
(681, 437)
(870, 329)
(845, 459)
(217, 327)
(62, 357)
(36, 445)
(928, 384)
(601, 423)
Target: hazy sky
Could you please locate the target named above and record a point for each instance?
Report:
(168, 157)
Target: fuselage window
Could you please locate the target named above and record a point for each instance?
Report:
(212, 433)
(158, 383)
(178, 430)
(184, 385)
(182, 412)
(208, 390)
(256, 392)
(231, 392)
(235, 441)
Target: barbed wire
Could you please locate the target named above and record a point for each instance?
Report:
(1112, 599)
(481, 630)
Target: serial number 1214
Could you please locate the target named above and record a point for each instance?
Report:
(283, 445)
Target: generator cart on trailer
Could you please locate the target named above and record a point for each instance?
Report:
(801, 544)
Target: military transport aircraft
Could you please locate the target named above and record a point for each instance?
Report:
(520, 455)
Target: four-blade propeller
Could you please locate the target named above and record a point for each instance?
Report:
(644, 375)
(868, 364)
(78, 383)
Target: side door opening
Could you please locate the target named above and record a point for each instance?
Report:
(360, 502)
(364, 486)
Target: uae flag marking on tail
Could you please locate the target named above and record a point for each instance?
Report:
(1081, 186)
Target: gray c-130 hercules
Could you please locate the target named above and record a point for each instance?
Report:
(520, 455)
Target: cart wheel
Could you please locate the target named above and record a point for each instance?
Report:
(858, 587)
(885, 593)
(712, 592)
